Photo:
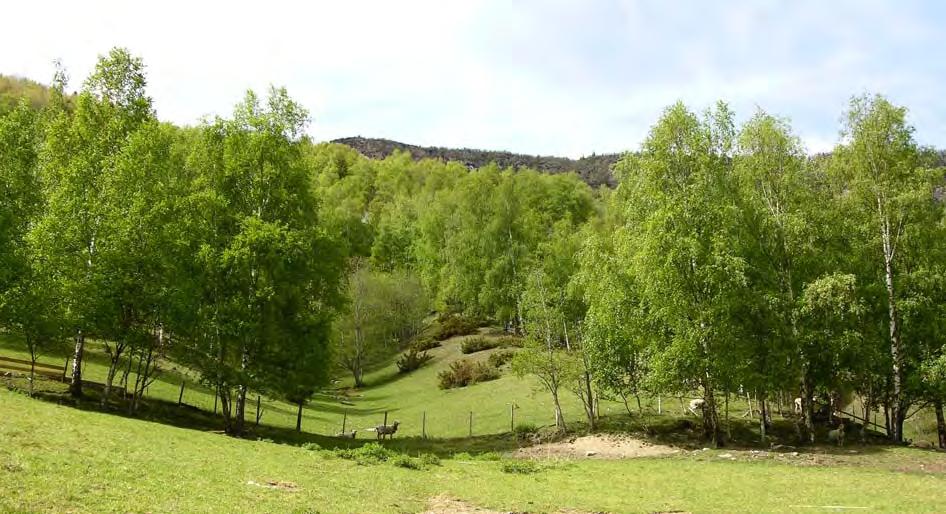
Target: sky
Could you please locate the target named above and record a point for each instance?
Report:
(549, 77)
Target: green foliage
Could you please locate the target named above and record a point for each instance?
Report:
(500, 359)
(520, 467)
(402, 460)
(312, 447)
(525, 429)
(478, 344)
(368, 454)
(465, 372)
(424, 344)
(411, 360)
(454, 326)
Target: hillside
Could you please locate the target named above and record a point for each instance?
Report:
(59, 459)
(593, 169)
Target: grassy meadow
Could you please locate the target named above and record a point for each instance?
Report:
(58, 459)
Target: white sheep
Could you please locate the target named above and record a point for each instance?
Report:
(696, 403)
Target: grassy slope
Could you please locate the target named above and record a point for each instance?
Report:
(406, 398)
(55, 458)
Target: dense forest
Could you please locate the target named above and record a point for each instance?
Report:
(593, 169)
(724, 259)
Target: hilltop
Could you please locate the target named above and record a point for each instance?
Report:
(596, 170)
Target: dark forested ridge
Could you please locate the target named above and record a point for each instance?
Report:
(593, 169)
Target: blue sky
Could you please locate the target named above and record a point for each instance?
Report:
(540, 77)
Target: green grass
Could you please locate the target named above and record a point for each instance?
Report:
(407, 397)
(57, 459)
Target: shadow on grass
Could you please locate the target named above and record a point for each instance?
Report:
(194, 418)
(681, 432)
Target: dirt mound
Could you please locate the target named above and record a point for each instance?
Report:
(598, 447)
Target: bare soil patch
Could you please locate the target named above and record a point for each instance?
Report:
(601, 446)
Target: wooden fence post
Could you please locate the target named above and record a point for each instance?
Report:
(471, 423)
(344, 421)
(423, 426)
(180, 397)
(215, 401)
(385, 418)
(512, 417)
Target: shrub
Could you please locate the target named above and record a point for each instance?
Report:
(455, 326)
(465, 372)
(523, 467)
(412, 360)
(404, 461)
(478, 344)
(429, 459)
(524, 429)
(499, 359)
(488, 456)
(510, 342)
(371, 453)
(425, 344)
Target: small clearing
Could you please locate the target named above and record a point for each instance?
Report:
(601, 446)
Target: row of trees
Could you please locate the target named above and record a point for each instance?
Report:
(725, 260)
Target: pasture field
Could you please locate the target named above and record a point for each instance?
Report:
(59, 459)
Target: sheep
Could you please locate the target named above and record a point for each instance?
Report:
(347, 435)
(696, 403)
(798, 406)
(837, 435)
(385, 430)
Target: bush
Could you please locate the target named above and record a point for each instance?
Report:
(524, 429)
(422, 345)
(412, 360)
(510, 342)
(429, 459)
(404, 461)
(465, 372)
(478, 344)
(455, 326)
(488, 456)
(499, 359)
(371, 453)
(523, 467)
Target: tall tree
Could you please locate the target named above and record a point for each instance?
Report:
(267, 272)
(684, 252)
(78, 153)
(878, 161)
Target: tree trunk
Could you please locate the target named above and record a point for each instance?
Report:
(710, 416)
(808, 409)
(240, 420)
(898, 405)
(299, 418)
(940, 424)
(763, 413)
(75, 389)
(559, 417)
(112, 371)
